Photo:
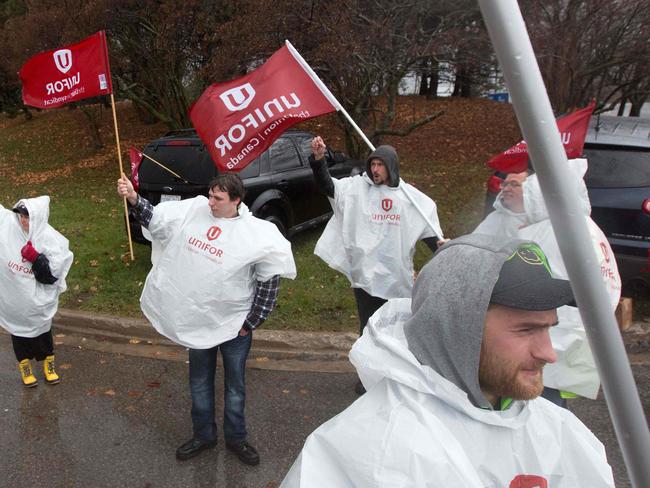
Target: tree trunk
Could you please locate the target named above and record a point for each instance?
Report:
(637, 105)
(621, 108)
(94, 127)
(462, 83)
(434, 81)
(424, 84)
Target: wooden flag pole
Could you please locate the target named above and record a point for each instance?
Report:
(165, 168)
(119, 158)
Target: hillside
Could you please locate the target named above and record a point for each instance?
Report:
(54, 154)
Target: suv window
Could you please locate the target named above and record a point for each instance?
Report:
(284, 155)
(305, 146)
(189, 161)
(250, 171)
(617, 167)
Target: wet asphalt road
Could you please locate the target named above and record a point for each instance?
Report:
(116, 420)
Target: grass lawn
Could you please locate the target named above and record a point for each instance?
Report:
(53, 154)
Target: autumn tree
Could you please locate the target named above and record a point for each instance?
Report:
(591, 49)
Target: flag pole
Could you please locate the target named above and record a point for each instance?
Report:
(532, 106)
(119, 158)
(332, 99)
(117, 137)
(164, 167)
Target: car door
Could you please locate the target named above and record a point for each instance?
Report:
(618, 180)
(319, 205)
(292, 176)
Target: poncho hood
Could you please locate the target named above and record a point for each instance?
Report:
(389, 157)
(39, 214)
(534, 205)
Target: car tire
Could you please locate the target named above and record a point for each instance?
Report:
(275, 216)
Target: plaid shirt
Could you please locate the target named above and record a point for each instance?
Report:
(266, 292)
(142, 211)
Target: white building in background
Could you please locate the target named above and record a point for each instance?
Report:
(410, 85)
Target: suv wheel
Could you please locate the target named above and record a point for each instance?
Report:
(275, 216)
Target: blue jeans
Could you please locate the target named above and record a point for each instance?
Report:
(203, 363)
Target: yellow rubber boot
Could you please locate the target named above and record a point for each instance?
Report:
(25, 368)
(48, 368)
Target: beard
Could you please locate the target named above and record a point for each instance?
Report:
(506, 379)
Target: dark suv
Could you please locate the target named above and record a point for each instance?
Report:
(279, 184)
(618, 180)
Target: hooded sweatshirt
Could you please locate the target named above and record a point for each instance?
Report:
(27, 306)
(372, 235)
(575, 369)
(421, 424)
(201, 286)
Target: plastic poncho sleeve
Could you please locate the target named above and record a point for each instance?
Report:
(168, 217)
(59, 256)
(278, 260)
(428, 207)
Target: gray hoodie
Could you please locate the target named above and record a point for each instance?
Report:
(450, 300)
(388, 156)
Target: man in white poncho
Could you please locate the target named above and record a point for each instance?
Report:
(509, 214)
(453, 379)
(35, 262)
(574, 372)
(372, 235)
(215, 279)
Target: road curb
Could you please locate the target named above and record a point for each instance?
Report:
(271, 349)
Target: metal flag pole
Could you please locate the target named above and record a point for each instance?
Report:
(332, 99)
(532, 106)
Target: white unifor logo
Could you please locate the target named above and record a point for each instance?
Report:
(238, 98)
(63, 60)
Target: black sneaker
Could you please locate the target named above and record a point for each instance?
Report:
(193, 447)
(246, 453)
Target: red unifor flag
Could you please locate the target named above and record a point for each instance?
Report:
(54, 78)
(573, 130)
(239, 119)
(135, 155)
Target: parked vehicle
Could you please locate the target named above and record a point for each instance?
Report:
(279, 184)
(618, 181)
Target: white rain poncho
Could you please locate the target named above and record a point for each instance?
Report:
(372, 235)
(501, 221)
(27, 306)
(202, 283)
(575, 369)
(413, 428)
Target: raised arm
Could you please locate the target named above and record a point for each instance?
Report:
(319, 167)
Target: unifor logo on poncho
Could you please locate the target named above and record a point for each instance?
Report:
(197, 244)
(528, 481)
(390, 218)
(213, 233)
